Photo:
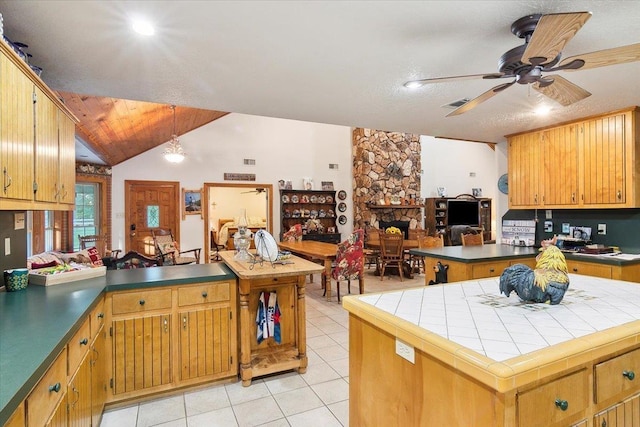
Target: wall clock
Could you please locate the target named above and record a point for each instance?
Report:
(503, 184)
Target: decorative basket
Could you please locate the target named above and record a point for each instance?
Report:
(16, 279)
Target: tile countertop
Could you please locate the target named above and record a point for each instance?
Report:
(501, 340)
(36, 323)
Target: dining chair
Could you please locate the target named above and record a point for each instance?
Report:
(426, 242)
(168, 251)
(470, 239)
(371, 246)
(391, 252)
(349, 263)
(415, 260)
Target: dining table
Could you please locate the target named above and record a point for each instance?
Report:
(321, 251)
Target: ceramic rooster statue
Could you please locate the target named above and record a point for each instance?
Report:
(547, 282)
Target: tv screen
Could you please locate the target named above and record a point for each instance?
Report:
(463, 212)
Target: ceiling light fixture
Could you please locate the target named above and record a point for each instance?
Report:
(542, 110)
(143, 27)
(174, 152)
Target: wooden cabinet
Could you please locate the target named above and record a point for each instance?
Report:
(588, 164)
(79, 395)
(438, 218)
(17, 419)
(628, 272)
(47, 394)
(98, 363)
(623, 414)
(37, 140)
(60, 414)
(299, 206)
(617, 376)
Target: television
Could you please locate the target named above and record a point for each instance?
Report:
(463, 212)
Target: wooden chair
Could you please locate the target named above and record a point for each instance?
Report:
(168, 251)
(391, 252)
(349, 263)
(371, 246)
(101, 244)
(470, 239)
(426, 242)
(415, 260)
(133, 259)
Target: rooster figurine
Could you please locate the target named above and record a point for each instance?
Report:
(547, 282)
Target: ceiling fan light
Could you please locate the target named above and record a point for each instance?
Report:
(174, 153)
(143, 27)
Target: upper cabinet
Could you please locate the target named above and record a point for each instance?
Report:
(37, 141)
(586, 164)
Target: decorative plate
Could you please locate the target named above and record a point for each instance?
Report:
(329, 199)
(313, 199)
(331, 213)
(503, 184)
(296, 213)
(285, 198)
(294, 199)
(342, 206)
(313, 213)
(287, 213)
(304, 199)
(322, 213)
(342, 194)
(266, 245)
(321, 199)
(342, 220)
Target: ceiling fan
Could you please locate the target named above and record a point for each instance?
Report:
(545, 37)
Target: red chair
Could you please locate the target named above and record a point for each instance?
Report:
(349, 264)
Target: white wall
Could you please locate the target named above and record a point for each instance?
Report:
(283, 149)
(460, 166)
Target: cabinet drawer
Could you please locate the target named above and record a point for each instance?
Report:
(97, 319)
(137, 302)
(589, 269)
(204, 293)
(78, 346)
(617, 375)
(48, 392)
(488, 269)
(538, 408)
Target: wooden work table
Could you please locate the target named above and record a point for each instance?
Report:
(288, 281)
(462, 354)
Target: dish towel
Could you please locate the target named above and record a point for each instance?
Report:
(268, 317)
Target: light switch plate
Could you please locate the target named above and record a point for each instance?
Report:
(602, 229)
(405, 351)
(7, 246)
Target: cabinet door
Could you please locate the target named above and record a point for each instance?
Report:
(79, 396)
(625, 414)
(589, 269)
(560, 147)
(525, 170)
(59, 417)
(46, 149)
(141, 353)
(205, 343)
(16, 132)
(99, 380)
(66, 159)
(604, 160)
(17, 419)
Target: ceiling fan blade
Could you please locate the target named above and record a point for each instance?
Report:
(552, 32)
(480, 99)
(419, 83)
(562, 90)
(602, 58)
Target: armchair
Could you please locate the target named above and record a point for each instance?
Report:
(168, 251)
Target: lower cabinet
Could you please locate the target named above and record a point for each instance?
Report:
(17, 419)
(44, 400)
(99, 382)
(59, 416)
(624, 414)
(79, 395)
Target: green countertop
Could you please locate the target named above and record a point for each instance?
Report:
(470, 254)
(35, 324)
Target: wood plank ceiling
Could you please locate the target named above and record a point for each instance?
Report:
(119, 129)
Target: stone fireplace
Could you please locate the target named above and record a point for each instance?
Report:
(386, 164)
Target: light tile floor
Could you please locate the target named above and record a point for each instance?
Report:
(319, 397)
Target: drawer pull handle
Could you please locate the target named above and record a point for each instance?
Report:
(141, 302)
(562, 404)
(491, 270)
(84, 341)
(166, 325)
(205, 294)
(55, 387)
(630, 375)
(184, 322)
(575, 269)
(100, 315)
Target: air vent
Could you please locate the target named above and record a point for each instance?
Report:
(333, 166)
(456, 104)
(250, 162)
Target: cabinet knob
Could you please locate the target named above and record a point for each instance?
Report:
(619, 195)
(562, 404)
(205, 294)
(141, 302)
(575, 269)
(630, 375)
(100, 315)
(84, 341)
(55, 387)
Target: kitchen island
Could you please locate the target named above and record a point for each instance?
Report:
(461, 354)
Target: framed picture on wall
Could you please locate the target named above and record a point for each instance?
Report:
(191, 202)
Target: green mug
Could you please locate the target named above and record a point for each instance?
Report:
(16, 279)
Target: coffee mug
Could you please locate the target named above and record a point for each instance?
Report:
(16, 279)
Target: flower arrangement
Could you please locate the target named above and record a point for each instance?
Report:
(393, 230)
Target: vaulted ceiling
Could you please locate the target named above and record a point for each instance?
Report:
(336, 62)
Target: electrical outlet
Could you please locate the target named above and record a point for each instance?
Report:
(405, 351)
(602, 229)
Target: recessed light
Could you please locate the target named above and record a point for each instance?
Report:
(413, 84)
(143, 27)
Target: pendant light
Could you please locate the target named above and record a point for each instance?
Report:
(174, 152)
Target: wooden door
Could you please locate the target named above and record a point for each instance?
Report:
(525, 170)
(604, 160)
(150, 205)
(16, 132)
(141, 353)
(560, 148)
(205, 348)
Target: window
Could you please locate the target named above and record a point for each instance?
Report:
(86, 216)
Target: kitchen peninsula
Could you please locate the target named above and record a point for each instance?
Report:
(461, 354)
